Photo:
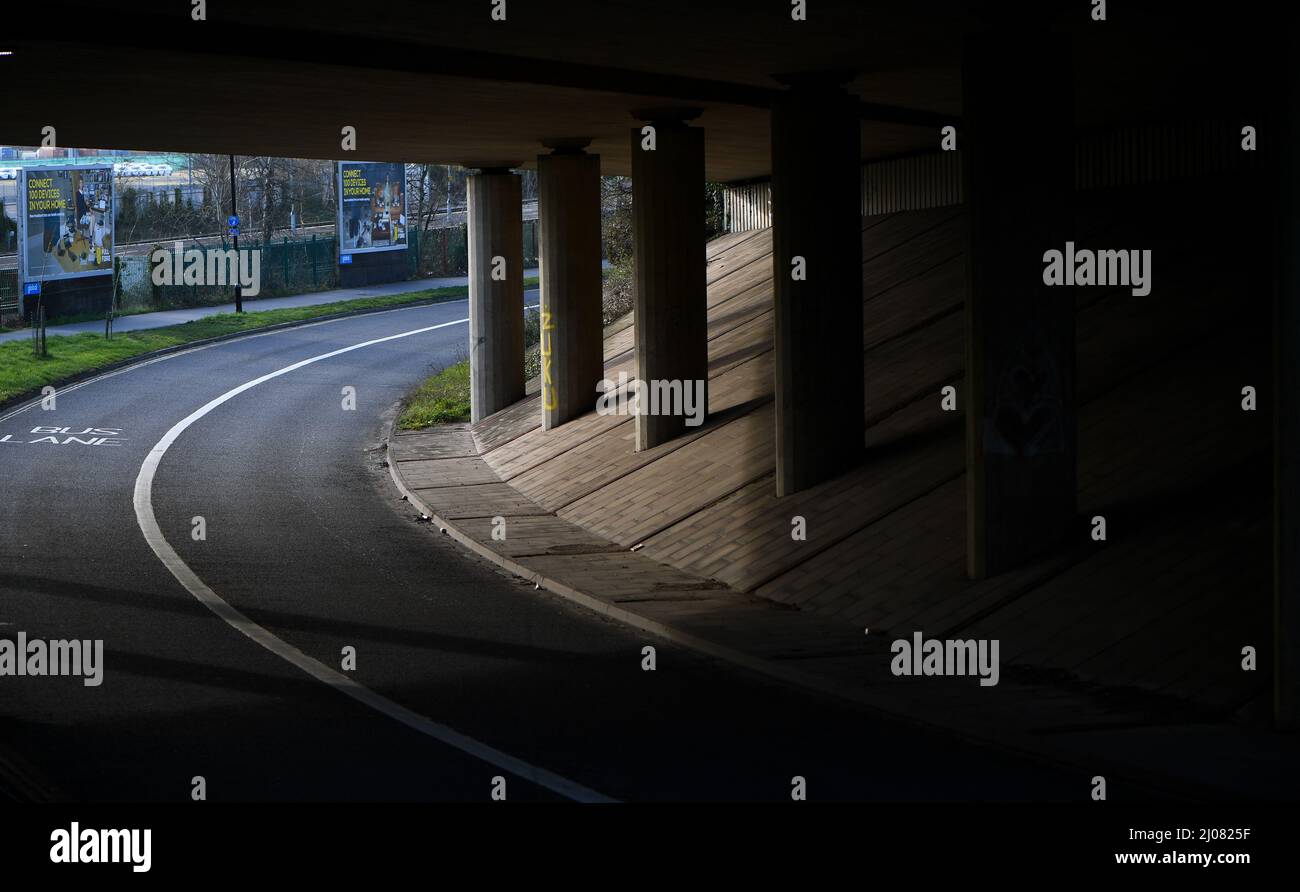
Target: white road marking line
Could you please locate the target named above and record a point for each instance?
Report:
(157, 541)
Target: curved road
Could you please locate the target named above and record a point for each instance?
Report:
(307, 539)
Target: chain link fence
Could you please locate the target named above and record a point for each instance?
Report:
(9, 298)
(285, 266)
(444, 252)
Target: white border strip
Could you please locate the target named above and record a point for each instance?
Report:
(172, 561)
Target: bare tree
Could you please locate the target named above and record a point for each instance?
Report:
(269, 190)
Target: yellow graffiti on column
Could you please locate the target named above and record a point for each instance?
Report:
(550, 400)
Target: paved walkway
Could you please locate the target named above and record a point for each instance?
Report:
(163, 318)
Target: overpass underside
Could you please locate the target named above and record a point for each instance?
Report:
(823, 346)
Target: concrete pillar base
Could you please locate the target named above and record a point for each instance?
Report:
(671, 293)
(1021, 455)
(817, 278)
(1281, 183)
(496, 291)
(572, 345)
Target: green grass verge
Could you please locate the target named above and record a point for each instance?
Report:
(69, 355)
(440, 399)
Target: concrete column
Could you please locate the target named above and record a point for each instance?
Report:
(1283, 187)
(668, 247)
(496, 291)
(572, 345)
(1017, 142)
(817, 275)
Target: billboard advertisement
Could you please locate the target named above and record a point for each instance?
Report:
(66, 222)
(372, 206)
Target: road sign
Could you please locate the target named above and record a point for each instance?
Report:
(345, 258)
(31, 289)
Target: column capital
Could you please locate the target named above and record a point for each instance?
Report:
(827, 79)
(667, 115)
(484, 168)
(567, 145)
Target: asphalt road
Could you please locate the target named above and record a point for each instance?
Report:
(306, 536)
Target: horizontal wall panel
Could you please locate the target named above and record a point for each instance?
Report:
(1129, 156)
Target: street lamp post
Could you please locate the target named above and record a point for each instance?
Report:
(234, 215)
